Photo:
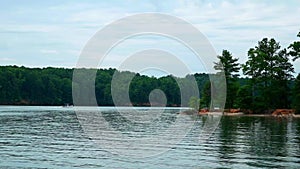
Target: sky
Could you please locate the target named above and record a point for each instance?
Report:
(53, 33)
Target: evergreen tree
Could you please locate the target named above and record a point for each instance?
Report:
(295, 49)
(270, 69)
(230, 67)
(206, 95)
(244, 97)
(296, 98)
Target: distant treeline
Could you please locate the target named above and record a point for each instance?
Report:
(53, 86)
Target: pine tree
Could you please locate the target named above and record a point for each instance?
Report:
(295, 49)
(269, 69)
(230, 66)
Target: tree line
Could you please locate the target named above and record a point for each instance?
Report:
(267, 82)
(53, 86)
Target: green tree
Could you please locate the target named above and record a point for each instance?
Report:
(9, 86)
(206, 95)
(244, 97)
(230, 67)
(194, 103)
(296, 91)
(171, 89)
(295, 49)
(269, 69)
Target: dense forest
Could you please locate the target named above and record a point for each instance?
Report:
(53, 86)
(267, 83)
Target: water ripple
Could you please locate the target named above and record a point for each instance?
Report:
(47, 137)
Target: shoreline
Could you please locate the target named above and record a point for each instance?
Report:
(241, 114)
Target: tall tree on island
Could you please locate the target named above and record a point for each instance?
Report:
(230, 66)
(269, 69)
(295, 53)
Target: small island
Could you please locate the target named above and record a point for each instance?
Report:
(267, 87)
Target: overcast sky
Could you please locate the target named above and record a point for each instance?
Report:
(52, 33)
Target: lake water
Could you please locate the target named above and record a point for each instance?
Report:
(52, 137)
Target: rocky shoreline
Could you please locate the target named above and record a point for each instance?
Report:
(237, 112)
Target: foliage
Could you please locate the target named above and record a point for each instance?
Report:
(194, 103)
(53, 86)
(205, 100)
(296, 91)
(270, 70)
(228, 64)
(244, 97)
(295, 49)
(230, 67)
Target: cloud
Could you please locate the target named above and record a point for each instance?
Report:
(62, 29)
(28, 28)
(6, 59)
(240, 16)
(238, 25)
(47, 51)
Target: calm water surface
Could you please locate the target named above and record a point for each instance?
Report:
(52, 137)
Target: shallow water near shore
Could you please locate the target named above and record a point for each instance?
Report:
(52, 137)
